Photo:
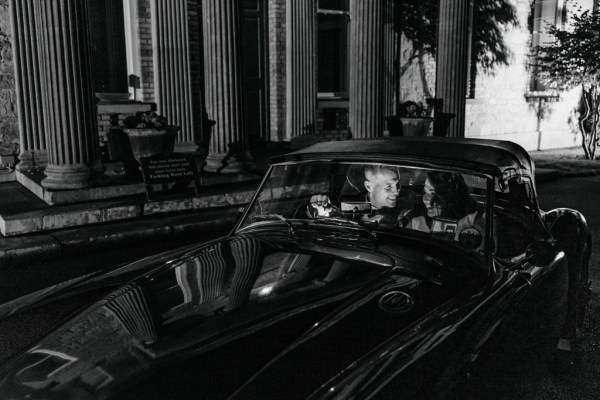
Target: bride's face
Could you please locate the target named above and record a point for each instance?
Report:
(433, 210)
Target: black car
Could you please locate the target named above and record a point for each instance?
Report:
(376, 268)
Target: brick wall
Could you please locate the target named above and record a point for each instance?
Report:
(417, 74)
(113, 114)
(9, 130)
(146, 54)
(500, 109)
(277, 38)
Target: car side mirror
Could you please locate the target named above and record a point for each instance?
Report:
(240, 211)
(541, 252)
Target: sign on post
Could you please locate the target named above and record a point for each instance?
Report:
(171, 172)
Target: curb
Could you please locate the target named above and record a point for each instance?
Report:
(546, 174)
(16, 251)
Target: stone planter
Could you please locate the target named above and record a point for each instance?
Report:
(146, 142)
(404, 126)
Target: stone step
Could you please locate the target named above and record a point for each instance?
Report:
(22, 213)
(113, 183)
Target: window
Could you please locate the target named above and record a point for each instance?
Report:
(543, 14)
(332, 65)
(333, 46)
(107, 46)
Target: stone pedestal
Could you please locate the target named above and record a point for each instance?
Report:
(400, 126)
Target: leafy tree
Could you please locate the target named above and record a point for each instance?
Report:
(571, 60)
(418, 21)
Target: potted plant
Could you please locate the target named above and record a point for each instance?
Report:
(412, 120)
(149, 134)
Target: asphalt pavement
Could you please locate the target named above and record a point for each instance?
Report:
(537, 377)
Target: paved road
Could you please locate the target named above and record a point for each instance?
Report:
(581, 382)
(522, 366)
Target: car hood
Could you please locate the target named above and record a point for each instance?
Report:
(263, 314)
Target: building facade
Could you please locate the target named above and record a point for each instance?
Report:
(262, 70)
(510, 103)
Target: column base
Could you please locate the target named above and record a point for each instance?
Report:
(225, 163)
(76, 176)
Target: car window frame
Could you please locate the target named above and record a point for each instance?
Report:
(490, 185)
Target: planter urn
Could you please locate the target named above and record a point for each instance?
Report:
(146, 142)
(408, 126)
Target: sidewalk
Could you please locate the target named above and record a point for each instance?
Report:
(180, 219)
(88, 226)
(563, 163)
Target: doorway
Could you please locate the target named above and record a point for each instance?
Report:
(254, 44)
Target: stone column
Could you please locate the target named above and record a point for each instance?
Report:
(28, 84)
(228, 149)
(301, 67)
(452, 61)
(389, 46)
(172, 68)
(68, 94)
(277, 68)
(366, 68)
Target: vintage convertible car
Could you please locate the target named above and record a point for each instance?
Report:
(355, 303)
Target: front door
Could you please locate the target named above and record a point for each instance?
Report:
(254, 42)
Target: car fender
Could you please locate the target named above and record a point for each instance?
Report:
(573, 236)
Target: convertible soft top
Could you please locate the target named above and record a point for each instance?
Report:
(490, 156)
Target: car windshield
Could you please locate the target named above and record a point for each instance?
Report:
(442, 204)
